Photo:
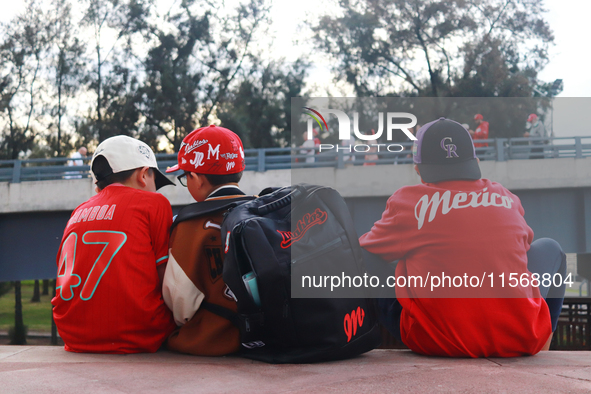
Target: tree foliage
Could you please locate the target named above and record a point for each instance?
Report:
(193, 71)
(75, 73)
(135, 71)
(259, 109)
(21, 55)
(114, 24)
(66, 63)
(436, 47)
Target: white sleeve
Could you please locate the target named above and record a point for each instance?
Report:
(180, 293)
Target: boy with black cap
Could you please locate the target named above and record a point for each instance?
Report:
(457, 225)
(113, 255)
(212, 160)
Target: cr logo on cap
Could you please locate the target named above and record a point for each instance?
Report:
(449, 148)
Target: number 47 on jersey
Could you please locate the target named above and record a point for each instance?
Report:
(67, 280)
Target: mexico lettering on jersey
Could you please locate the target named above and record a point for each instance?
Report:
(457, 200)
(108, 298)
(460, 227)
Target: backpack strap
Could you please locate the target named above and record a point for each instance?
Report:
(206, 207)
(250, 325)
(221, 311)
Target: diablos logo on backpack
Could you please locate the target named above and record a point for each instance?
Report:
(304, 224)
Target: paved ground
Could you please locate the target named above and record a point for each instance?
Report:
(45, 369)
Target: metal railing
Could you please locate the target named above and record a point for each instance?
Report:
(498, 149)
(574, 325)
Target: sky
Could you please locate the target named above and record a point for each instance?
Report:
(569, 57)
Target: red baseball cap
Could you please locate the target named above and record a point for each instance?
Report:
(210, 150)
(532, 118)
(478, 117)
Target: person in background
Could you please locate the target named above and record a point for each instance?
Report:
(350, 143)
(414, 132)
(309, 146)
(371, 157)
(536, 132)
(481, 132)
(77, 160)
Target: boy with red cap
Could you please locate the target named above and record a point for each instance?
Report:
(457, 225)
(113, 255)
(481, 132)
(212, 161)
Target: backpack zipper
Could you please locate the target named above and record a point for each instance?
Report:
(322, 250)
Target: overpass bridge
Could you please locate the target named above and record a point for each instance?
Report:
(37, 196)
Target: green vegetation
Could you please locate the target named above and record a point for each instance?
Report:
(36, 316)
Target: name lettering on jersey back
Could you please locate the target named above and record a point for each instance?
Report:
(98, 212)
(459, 200)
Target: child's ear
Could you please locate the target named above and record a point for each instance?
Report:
(197, 179)
(142, 176)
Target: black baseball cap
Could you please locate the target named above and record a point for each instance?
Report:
(444, 151)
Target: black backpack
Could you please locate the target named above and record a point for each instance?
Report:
(265, 253)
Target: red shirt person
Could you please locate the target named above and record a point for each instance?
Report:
(113, 255)
(457, 225)
(481, 132)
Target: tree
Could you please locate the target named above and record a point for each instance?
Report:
(45, 290)
(228, 56)
(36, 292)
(435, 47)
(170, 92)
(19, 332)
(259, 109)
(200, 54)
(21, 55)
(134, 72)
(125, 19)
(66, 64)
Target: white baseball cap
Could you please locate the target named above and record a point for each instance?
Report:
(124, 153)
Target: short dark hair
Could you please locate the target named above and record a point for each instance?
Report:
(104, 173)
(216, 180)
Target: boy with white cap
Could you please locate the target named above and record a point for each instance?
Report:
(113, 256)
(457, 226)
(212, 161)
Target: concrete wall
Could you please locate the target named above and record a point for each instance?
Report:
(556, 195)
(353, 181)
(67, 194)
(513, 174)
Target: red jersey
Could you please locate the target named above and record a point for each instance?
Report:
(461, 227)
(481, 133)
(109, 297)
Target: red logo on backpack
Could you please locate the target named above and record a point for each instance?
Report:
(352, 321)
(304, 224)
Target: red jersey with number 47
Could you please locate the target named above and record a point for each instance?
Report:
(109, 297)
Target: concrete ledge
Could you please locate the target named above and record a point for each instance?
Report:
(46, 369)
(352, 181)
(67, 194)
